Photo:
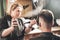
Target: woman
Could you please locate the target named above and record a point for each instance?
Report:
(12, 26)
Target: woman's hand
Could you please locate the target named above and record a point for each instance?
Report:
(32, 22)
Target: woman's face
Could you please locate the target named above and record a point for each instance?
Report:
(16, 12)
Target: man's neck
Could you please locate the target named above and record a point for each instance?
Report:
(45, 29)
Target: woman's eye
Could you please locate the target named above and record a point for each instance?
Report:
(18, 11)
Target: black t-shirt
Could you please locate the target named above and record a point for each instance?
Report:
(46, 36)
(5, 23)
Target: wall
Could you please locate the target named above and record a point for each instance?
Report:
(0, 11)
(2, 7)
(26, 2)
(54, 5)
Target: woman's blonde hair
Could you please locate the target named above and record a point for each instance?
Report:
(13, 7)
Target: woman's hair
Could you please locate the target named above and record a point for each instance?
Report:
(13, 7)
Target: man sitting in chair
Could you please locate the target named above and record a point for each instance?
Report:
(46, 21)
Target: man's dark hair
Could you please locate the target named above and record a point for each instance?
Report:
(47, 15)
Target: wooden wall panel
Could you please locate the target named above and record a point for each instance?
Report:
(26, 2)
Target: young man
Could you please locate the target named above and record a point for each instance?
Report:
(46, 21)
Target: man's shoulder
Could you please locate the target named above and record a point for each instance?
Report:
(56, 37)
(47, 37)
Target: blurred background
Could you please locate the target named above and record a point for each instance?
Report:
(49, 4)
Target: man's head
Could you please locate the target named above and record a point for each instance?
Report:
(46, 19)
(16, 10)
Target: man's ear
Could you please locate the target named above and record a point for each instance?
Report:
(40, 24)
(52, 22)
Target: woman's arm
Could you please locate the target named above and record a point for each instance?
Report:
(29, 28)
(7, 31)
